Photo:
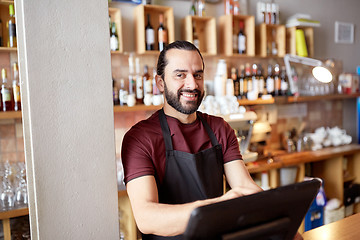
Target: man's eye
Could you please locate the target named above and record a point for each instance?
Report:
(198, 76)
(180, 75)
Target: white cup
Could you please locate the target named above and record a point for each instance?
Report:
(131, 100)
(157, 100)
(148, 99)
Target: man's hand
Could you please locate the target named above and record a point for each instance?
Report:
(237, 192)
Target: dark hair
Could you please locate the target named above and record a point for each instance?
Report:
(183, 45)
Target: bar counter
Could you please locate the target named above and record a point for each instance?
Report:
(344, 229)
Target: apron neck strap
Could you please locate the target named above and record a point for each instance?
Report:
(167, 135)
(210, 132)
(165, 130)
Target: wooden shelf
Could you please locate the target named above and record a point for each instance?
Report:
(205, 27)
(11, 115)
(321, 97)
(140, 13)
(229, 24)
(6, 2)
(291, 39)
(293, 159)
(245, 102)
(268, 34)
(349, 178)
(115, 16)
(7, 49)
(135, 108)
(16, 212)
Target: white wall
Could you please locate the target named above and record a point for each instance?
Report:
(326, 11)
(64, 60)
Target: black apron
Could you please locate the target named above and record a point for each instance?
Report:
(189, 177)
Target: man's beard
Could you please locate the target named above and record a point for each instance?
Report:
(174, 100)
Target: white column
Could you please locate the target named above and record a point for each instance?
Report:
(65, 71)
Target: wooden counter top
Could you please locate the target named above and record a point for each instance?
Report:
(347, 228)
(291, 159)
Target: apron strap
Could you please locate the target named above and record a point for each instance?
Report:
(165, 130)
(167, 135)
(210, 132)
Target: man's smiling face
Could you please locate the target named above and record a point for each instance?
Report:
(184, 80)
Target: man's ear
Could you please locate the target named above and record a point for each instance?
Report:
(159, 83)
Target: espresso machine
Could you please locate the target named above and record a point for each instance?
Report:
(243, 125)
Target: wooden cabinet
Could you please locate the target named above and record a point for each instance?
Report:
(291, 40)
(115, 16)
(327, 164)
(270, 40)
(229, 25)
(140, 18)
(205, 28)
(4, 17)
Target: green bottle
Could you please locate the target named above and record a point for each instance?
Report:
(11, 28)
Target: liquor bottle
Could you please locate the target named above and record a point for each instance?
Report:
(255, 79)
(196, 40)
(139, 83)
(248, 78)
(274, 13)
(236, 7)
(201, 8)
(228, 7)
(5, 92)
(123, 93)
(241, 39)
(149, 35)
(241, 82)
(16, 88)
(284, 86)
(236, 82)
(192, 11)
(114, 39)
(262, 89)
(270, 84)
(11, 27)
(263, 12)
(162, 33)
(115, 93)
(132, 82)
(277, 80)
(157, 97)
(268, 13)
(147, 82)
(235, 40)
(274, 48)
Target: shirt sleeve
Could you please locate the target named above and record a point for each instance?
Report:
(135, 157)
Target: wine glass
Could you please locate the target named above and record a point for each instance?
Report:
(7, 195)
(21, 196)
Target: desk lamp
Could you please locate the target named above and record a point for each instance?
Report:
(320, 70)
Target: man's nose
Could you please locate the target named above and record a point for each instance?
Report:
(190, 82)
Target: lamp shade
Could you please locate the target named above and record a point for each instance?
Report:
(322, 74)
